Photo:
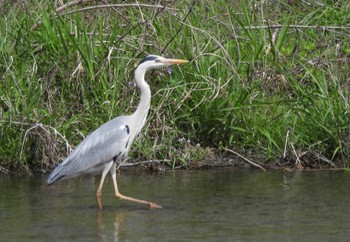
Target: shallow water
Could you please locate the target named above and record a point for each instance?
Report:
(204, 205)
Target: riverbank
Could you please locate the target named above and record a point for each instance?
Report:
(213, 160)
(269, 81)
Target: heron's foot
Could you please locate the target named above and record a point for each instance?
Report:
(150, 204)
(154, 205)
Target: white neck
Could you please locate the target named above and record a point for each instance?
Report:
(145, 100)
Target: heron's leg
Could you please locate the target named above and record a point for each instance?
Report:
(120, 196)
(99, 190)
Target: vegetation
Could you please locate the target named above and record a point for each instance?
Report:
(269, 79)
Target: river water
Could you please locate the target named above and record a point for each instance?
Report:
(223, 204)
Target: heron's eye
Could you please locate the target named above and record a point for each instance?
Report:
(157, 61)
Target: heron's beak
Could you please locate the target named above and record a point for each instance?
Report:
(174, 61)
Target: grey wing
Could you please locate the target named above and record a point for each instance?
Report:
(108, 142)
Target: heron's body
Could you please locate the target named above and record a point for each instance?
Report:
(111, 142)
(98, 150)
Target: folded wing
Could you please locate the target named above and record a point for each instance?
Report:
(107, 143)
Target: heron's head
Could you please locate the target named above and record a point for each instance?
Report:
(154, 62)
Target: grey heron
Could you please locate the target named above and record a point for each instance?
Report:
(110, 143)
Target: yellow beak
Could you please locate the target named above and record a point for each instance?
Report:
(175, 61)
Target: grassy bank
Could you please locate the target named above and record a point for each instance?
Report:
(267, 79)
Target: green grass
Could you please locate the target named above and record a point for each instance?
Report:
(277, 92)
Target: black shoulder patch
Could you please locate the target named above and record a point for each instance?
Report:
(149, 58)
(127, 129)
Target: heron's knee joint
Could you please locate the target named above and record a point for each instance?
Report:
(119, 196)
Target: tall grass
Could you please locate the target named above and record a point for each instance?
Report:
(266, 77)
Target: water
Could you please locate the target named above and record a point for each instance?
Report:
(203, 205)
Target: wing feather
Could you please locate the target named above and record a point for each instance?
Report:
(100, 147)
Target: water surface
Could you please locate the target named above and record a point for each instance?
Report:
(204, 205)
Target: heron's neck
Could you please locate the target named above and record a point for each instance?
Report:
(145, 98)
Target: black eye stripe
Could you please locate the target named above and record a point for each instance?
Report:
(149, 58)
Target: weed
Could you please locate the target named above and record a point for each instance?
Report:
(259, 71)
